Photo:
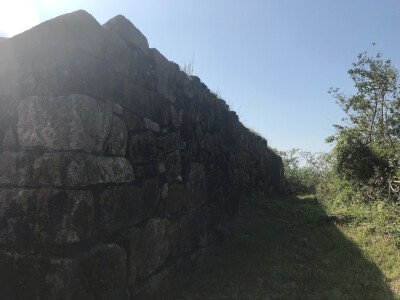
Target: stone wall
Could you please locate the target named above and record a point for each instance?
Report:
(114, 164)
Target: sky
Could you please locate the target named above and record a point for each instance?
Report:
(272, 61)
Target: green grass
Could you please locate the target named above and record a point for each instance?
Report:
(289, 251)
(375, 229)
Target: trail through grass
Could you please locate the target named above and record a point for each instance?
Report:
(290, 250)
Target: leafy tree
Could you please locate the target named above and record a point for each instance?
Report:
(374, 109)
(367, 147)
(303, 170)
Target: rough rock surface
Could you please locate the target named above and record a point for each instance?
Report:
(115, 166)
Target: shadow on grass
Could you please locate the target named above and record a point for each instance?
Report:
(288, 251)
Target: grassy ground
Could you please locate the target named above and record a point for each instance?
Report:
(291, 251)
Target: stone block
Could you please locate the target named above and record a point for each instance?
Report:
(151, 194)
(45, 216)
(134, 243)
(122, 207)
(189, 232)
(175, 199)
(74, 122)
(103, 272)
(143, 147)
(9, 142)
(151, 125)
(37, 277)
(31, 169)
(171, 142)
(99, 274)
(176, 119)
(173, 166)
(127, 31)
(118, 137)
(160, 238)
(196, 187)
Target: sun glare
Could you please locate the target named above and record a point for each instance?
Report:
(17, 16)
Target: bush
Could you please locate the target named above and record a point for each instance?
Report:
(357, 161)
(301, 171)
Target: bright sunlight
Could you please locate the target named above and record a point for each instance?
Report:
(17, 16)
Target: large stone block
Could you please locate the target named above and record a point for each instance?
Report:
(128, 32)
(8, 119)
(151, 194)
(30, 169)
(173, 166)
(171, 142)
(47, 216)
(122, 207)
(118, 137)
(74, 122)
(160, 238)
(196, 187)
(190, 233)
(143, 147)
(28, 277)
(122, 50)
(134, 243)
(99, 274)
(166, 72)
(151, 125)
(175, 199)
(57, 57)
(103, 272)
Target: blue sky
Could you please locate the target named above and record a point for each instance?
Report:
(272, 61)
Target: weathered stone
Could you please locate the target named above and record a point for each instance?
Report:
(128, 32)
(151, 125)
(207, 143)
(121, 58)
(145, 171)
(176, 121)
(143, 147)
(118, 137)
(74, 122)
(160, 238)
(8, 168)
(173, 166)
(189, 232)
(164, 192)
(151, 193)
(196, 189)
(175, 199)
(96, 275)
(62, 169)
(165, 75)
(38, 277)
(122, 207)
(171, 142)
(8, 120)
(104, 271)
(161, 167)
(134, 238)
(158, 286)
(45, 216)
(134, 122)
(118, 109)
(89, 170)
(54, 57)
(10, 142)
(215, 185)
